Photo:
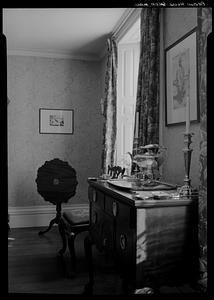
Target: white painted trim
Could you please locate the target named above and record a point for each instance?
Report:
(50, 54)
(127, 20)
(132, 35)
(125, 23)
(36, 216)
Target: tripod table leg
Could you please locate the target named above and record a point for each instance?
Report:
(61, 227)
(49, 227)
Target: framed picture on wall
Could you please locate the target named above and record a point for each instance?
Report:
(56, 121)
(181, 79)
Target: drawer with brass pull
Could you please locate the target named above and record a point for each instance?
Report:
(147, 240)
(96, 198)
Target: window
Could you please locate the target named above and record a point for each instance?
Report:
(128, 62)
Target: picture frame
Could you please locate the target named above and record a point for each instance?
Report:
(56, 121)
(181, 79)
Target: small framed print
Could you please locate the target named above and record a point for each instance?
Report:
(181, 79)
(56, 121)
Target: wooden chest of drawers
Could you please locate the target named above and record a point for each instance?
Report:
(151, 242)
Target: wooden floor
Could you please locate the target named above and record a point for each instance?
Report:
(33, 267)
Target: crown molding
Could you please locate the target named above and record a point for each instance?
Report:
(126, 21)
(123, 25)
(129, 17)
(52, 54)
(132, 35)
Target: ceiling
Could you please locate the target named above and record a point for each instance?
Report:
(63, 31)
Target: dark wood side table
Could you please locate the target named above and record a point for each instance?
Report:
(152, 242)
(56, 182)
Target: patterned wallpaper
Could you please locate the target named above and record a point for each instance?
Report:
(34, 83)
(177, 22)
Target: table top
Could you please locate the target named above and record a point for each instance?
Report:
(139, 198)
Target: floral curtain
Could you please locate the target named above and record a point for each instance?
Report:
(204, 28)
(109, 105)
(147, 104)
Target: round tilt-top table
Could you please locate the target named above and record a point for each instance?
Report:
(56, 183)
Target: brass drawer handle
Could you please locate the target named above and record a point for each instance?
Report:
(114, 208)
(105, 242)
(94, 196)
(94, 217)
(123, 241)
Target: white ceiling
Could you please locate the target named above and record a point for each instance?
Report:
(68, 31)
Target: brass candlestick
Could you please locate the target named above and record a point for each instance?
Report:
(186, 189)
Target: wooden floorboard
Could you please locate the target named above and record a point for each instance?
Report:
(33, 267)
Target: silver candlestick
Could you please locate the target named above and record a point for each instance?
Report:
(186, 189)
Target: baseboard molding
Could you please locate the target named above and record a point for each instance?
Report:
(36, 216)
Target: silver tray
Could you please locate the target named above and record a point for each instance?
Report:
(132, 185)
